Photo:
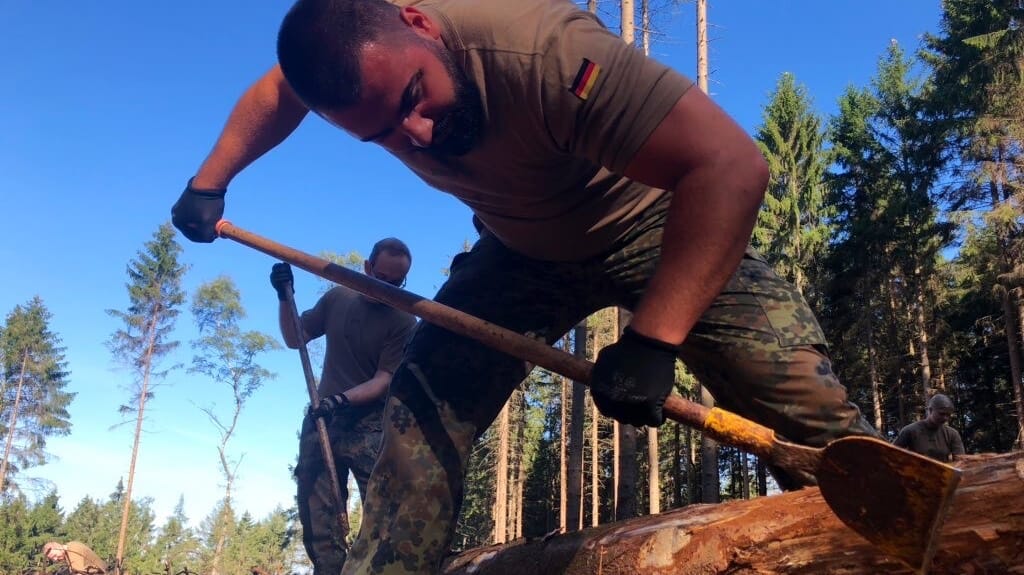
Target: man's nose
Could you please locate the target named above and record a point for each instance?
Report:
(418, 129)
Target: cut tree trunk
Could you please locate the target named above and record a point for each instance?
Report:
(790, 533)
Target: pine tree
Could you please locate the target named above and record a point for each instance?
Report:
(33, 403)
(791, 230)
(154, 294)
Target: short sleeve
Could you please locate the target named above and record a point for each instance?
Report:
(314, 320)
(394, 347)
(602, 98)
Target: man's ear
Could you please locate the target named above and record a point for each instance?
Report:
(367, 268)
(420, 23)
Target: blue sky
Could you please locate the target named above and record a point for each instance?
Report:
(106, 109)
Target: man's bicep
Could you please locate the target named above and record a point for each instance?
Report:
(695, 132)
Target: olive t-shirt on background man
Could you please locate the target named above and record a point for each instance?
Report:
(939, 443)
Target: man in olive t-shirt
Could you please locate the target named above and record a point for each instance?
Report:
(932, 436)
(364, 344)
(603, 178)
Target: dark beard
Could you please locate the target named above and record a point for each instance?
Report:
(461, 126)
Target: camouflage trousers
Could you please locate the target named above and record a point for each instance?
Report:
(757, 348)
(355, 442)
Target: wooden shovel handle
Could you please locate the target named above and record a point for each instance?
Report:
(726, 427)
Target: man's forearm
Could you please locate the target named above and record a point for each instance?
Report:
(264, 116)
(370, 390)
(291, 337)
(710, 220)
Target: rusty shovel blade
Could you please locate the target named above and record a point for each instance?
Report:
(894, 498)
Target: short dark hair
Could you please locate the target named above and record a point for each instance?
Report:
(393, 246)
(318, 46)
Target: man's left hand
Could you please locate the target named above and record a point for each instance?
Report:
(632, 378)
(328, 405)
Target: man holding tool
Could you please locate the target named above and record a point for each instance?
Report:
(364, 343)
(602, 178)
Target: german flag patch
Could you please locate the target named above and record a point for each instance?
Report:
(585, 79)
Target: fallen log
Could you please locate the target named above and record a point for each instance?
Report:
(789, 533)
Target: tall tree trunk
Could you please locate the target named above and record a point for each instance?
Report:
(592, 6)
(627, 15)
(143, 394)
(922, 340)
(501, 479)
(626, 460)
(708, 446)
(595, 463)
(677, 467)
(761, 470)
(691, 466)
(616, 468)
(653, 481)
(626, 507)
(645, 23)
(876, 381)
(12, 422)
(563, 462)
(574, 475)
(1013, 349)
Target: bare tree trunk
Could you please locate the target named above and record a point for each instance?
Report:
(626, 463)
(653, 481)
(876, 381)
(677, 467)
(12, 422)
(592, 6)
(501, 479)
(1013, 349)
(761, 470)
(574, 475)
(922, 339)
(595, 462)
(792, 533)
(626, 495)
(708, 446)
(563, 462)
(616, 448)
(143, 395)
(627, 15)
(645, 23)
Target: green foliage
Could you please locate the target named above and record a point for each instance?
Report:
(154, 296)
(33, 399)
(791, 229)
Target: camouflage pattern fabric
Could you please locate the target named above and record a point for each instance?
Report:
(757, 348)
(355, 435)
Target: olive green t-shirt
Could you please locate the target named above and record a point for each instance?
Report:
(363, 336)
(939, 443)
(567, 105)
(83, 560)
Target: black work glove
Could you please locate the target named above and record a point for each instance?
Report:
(328, 405)
(632, 377)
(197, 212)
(282, 280)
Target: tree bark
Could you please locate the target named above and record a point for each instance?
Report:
(12, 424)
(501, 479)
(574, 474)
(789, 533)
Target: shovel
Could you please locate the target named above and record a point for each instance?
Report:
(321, 426)
(894, 498)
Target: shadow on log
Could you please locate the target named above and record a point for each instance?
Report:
(790, 533)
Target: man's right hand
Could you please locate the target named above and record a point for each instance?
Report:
(282, 280)
(197, 212)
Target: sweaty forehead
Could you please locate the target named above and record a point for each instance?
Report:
(384, 72)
